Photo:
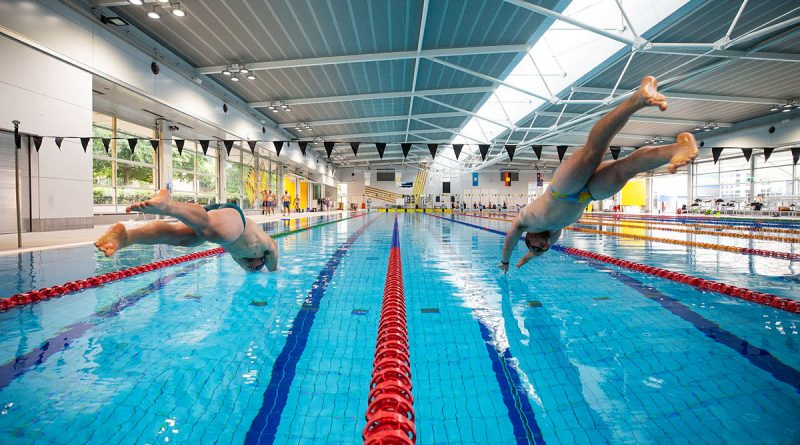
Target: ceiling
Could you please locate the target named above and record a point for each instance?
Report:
(415, 71)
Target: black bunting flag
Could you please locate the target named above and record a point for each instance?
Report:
(354, 146)
(204, 146)
(106, 142)
(538, 150)
(85, 143)
(510, 149)
(406, 148)
(381, 147)
(228, 145)
(747, 152)
(432, 148)
(484, 149)
(278, 146)
(58, 142)
(37, 142)
(457, 149)
(795, 154)
(154, 144)
(179, 143)
(615, 152)
(561, 149)
(132, 143)
(252, 145)
(768, 153)
(715, 152)
(302, 145)
(329, 148)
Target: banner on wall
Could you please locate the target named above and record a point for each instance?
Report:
(398, 179)
(475, 179)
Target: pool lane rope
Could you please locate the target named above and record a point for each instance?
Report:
(712, 246)
(390, 409)
(636, 225)
(750, 223)
(699, 225)
(763, 298)
(47, 293)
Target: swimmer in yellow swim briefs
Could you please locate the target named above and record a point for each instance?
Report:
(584, 176)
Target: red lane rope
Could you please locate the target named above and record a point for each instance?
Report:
(47, 293)
(764, 298)
(390, 409)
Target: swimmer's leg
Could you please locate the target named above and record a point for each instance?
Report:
(574, 173)
(156, 232)
(611, 176)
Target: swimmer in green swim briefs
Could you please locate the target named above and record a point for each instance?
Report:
(584, 177)
(223, 224)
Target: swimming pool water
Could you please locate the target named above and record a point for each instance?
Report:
(565, 351)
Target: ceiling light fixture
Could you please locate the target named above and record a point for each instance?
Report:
(284, 106)
(153, 14)
(244, 70)
(227, 71)
(774, 108)
(163, 1)
(177, 11)
(235, 78)
(136, 2)
(251, 77)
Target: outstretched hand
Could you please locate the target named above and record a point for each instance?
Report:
(524, 260)
(503, 267)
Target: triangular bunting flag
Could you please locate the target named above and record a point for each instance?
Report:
(796, 154)
(58, 142)
(716, 151)
(179, 143)
(329, 148)
(278, 146)
(228, 145)
(768, 153)
(354, 146)
(510, 149)
(432, 148)
(252, 145)
(457, 149)
(154, 144)
(615, 152)
(538, 150)
(747, 152)
(37, 142)
(106, 142)
(302, 145)
(204, 146)
(85, 143)
(381, 146)
(133, 141)
(484, 149)
(561, 149)
(406, 148)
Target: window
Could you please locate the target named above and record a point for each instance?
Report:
(774, 176)
(194, 174)
(121, 175)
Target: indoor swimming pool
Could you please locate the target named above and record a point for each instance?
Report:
(568, 350)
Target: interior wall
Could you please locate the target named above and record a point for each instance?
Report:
(51, 97)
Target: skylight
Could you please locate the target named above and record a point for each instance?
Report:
(560, 57)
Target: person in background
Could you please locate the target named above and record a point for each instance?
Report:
(297, 203)
(287, 200)
(271, 202)
(264, 205)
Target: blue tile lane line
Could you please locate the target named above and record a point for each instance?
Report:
(22, 364)
(265, 424)
(520, 411)
(760, 358)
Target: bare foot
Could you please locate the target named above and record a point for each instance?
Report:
(115, 238)
(649, 95)
(685, 152)
(156, 205)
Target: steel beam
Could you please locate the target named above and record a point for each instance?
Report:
(490, 79)
(359, 120)
(729, 54)
(420, 37)
(694, 96)
(373, 96)
(381, 134)
(646, 119)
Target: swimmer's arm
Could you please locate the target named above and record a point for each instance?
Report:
(512, 238)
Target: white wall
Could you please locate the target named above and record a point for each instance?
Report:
(787, 133)
(50, 97)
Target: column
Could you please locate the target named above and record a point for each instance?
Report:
(164, 154)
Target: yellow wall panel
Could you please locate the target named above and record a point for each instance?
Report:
(634, 193)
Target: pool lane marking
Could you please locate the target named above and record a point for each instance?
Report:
(21, 364)
(61, 341)
(762, 298)
(25, 299)
(760, 358)
(519, 408)
(264, 426)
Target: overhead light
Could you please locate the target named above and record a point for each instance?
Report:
(300, 129)
(284, 106)
(136, 2)
(287, 108)
(244, 70)
(271, 107)
(251, 77)
(163, 1)
(774, 108)
(177, 11)
(786, 110)
(153, 14)
(235, 78)
(227, 72)
(788, 105)
(274, 110)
